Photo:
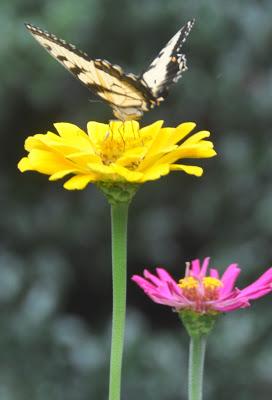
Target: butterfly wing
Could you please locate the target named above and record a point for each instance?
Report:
(168, 66)
(125, 93)
(127, 96)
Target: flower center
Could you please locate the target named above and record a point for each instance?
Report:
(121, 142)
(111, 149)
(200, 290)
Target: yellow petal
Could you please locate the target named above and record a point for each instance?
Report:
(157, 147)
(151, 130)
(115, 126)
(128, 130)
(47, 162)
(60, 174)
(79, 182)
(61, 145)
(71, 137)
(131, 156)
(83, 158)
(125, 130)
(157, 143)
(97, 131)
(194, 151)
(181, 131)
(156, 158)
(34, 142)
(147, 163)
(67, 130)
(197, 137)
(189, 169)
(130, 176)
(24, 165)
(101, 168)
(156, 172)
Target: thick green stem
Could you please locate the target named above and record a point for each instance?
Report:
(196, 365)
(119, 217)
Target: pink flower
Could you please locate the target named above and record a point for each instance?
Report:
(201, 290)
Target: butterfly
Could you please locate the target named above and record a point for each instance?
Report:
(128, 95)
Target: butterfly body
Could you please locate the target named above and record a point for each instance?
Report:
(128, 95)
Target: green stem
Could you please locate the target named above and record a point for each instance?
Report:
(119, 217)
(196, 365)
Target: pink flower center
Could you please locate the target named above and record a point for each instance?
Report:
(200, 290)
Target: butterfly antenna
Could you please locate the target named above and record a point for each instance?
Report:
(95, 101)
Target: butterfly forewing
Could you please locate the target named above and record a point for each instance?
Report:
(103, 78)
(77, 62)
(168, 66)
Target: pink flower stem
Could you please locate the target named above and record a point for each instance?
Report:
(196, 365)
(119, 217)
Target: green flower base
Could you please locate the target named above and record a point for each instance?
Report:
(198, 324)
(118, 192)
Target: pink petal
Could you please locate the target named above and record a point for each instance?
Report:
(263, 281)
(232, 306)
(164, 275)
(173, 301)
(229, 278)
(143, 283)
(157, 295)
(205, 264)
(214, 273)
(175, 289)
(152, 278)
(195, 267)
(259, 292)
(162, 291)
(157, 286)
(161, 300)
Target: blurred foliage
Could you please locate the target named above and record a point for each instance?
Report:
(55, 285)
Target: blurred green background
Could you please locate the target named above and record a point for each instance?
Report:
(55, 274)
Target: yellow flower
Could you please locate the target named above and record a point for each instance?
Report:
(118, 152)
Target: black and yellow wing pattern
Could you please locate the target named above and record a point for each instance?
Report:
(128, 95)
